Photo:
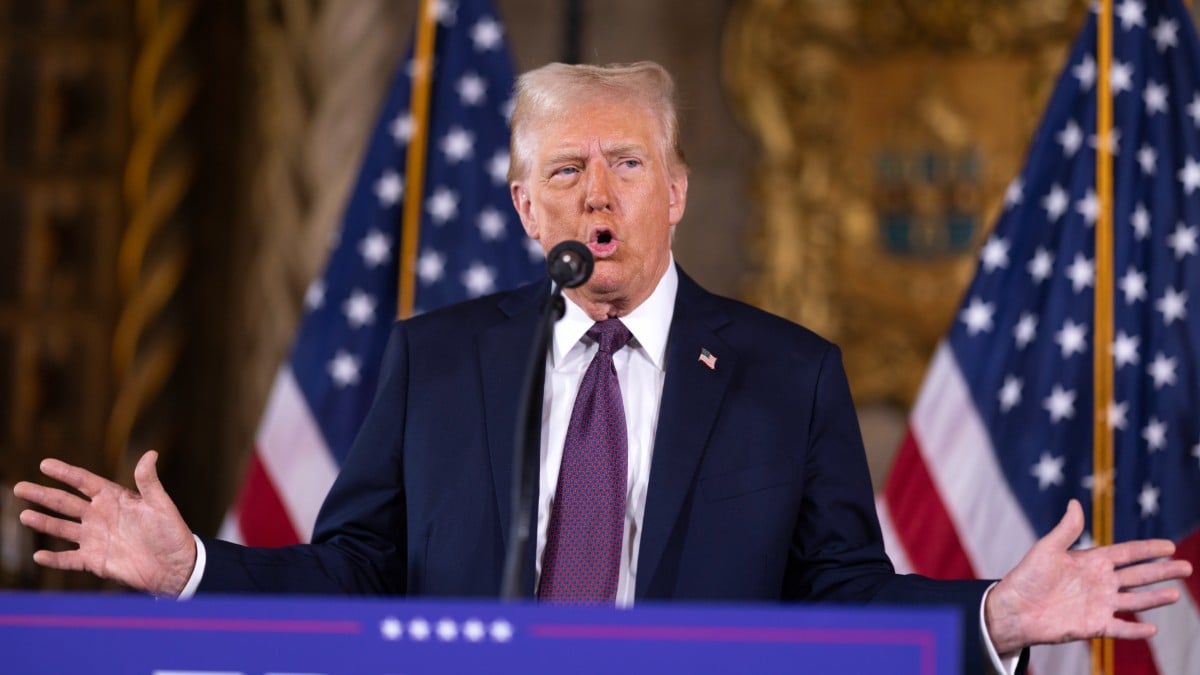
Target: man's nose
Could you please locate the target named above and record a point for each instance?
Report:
(599, 194)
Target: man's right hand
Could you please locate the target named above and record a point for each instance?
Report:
(135, 538)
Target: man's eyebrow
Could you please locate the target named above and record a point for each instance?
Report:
(624, 149)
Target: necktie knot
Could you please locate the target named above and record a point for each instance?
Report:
(611, 334)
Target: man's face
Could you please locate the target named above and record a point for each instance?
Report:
(598, 174)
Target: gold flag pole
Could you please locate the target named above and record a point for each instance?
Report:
(414, 182)
(1102, 447)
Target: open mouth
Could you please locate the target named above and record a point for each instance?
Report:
(602, 242)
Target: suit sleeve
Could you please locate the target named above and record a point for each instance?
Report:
(837, 550)
(359, 544)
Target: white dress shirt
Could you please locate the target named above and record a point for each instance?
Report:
(641, 372)
(640, 367)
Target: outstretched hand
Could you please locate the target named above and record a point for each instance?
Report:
(135, 538)
(1058, 595)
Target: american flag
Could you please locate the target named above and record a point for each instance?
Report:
(1000, 437)
(471, 244)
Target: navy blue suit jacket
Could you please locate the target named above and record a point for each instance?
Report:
(759, 488)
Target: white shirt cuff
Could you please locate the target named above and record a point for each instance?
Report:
(1000, 665)
(198, 571)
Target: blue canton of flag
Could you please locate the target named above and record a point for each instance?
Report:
(1027, 322)
(1001, 435)
(471, 244)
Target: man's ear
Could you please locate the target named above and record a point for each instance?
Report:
(523, 203)
(677, 196)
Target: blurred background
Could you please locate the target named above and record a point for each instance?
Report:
(172, 172)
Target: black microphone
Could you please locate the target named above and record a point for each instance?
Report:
(569, 264)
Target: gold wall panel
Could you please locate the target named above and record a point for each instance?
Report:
(888, 132)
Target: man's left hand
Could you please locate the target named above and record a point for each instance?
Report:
(1058, 595)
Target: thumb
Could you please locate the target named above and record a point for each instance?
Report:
(145, 475)
(1067, 531)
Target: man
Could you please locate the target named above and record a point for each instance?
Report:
(726, 464)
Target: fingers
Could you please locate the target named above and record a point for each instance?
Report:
(1141, 601)
(55, 527)
(60, 560)
(145, 476)
(1129, 630)
(1136, 551)
(1153, 572)
(66, 503)
(81, 479)
(1067, 531)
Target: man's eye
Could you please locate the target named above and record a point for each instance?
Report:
(568, 171)
(631, 163)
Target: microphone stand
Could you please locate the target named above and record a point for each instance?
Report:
(527, 449)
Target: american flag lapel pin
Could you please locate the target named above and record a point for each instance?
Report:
(707, 358)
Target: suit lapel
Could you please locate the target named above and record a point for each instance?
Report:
(691, 401)
(504, 353)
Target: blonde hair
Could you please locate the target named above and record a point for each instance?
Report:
(547, 92)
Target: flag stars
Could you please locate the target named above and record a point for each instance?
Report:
(343, 368)
(1125, 350)
(375, 249)
(534, 249)
(457, 145)
(479, 279)
(491, 224)
(446, 12)
(995, 254)
(1140, 220)
(497, 167)
(1193, 109)
(1172, 305)
(314, 297)
(1189, 175)
(1155, 435)
(1081, 273)
(389, 188)
(1085, 72)
(359, 309)
(1162, 370)
(1070, 138)
(1040, 265)
(1048, 471)
(1155, 97)
(442, 205)
(1131, 13)
(1025, 330)
(1120, 77)
(486, 34)
(472, 90)
(1072, 338)
(1115, 415)
(1014, 193)
(1088, 207)
(1060, 404)
(1183, 241)
(1147, 157)
(1165, 34)
(1148, 500)
(1010, 393)
(978, 316)
(1055, 203)
(1111, 141)
(431, 267)
(402, 128)
(1133, 286)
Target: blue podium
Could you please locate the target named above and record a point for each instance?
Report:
(255, 635)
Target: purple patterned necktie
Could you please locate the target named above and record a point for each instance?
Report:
(587, 522)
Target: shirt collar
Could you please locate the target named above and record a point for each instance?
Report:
(650, 322)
